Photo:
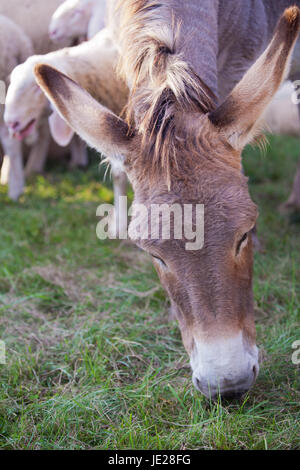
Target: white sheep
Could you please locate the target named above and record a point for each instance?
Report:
(15, 46)
(92, 64)
(77, 18)
(33, 16)
(31, 20)
(19, 39)
(282, 118)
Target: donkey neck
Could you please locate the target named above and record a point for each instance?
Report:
(199, 37)
(245, 28)
(219, 39)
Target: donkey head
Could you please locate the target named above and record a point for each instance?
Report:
(210, 288)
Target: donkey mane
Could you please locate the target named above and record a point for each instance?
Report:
(162, 82)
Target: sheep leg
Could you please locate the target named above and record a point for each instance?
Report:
(12, 172)
(293, 203)
(79, 155)
(39, 151)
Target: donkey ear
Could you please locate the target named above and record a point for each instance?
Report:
(238, 117)
(98, 126)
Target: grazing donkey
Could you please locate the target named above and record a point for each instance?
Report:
(179, 147)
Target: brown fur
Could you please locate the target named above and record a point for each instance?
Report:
(274, 64)
(183, 152)
(163, 84)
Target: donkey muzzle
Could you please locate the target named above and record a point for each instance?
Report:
(227, 367)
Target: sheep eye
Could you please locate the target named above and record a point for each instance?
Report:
(240, 243)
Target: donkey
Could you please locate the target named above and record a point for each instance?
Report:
(178, 146)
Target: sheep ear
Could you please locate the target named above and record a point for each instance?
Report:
(94, 123)
(60, 131)
(238, 118)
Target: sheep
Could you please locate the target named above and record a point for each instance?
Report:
(282, 118)
(77, 18)
(24, 15)
(98, 19)
(92, 64)
(33, 16)
(15, 45)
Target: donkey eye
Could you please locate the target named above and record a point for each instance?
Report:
(241, 243)
(159, 260)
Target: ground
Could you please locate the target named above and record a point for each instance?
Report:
(92, 360)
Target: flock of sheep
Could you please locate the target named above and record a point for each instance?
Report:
(31, 32)
(71, 36)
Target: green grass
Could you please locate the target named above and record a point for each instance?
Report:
(92, 359)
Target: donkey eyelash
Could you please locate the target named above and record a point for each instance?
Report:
(159, 260)
(242, 240)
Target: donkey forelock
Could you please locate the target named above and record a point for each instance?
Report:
(162, 83)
